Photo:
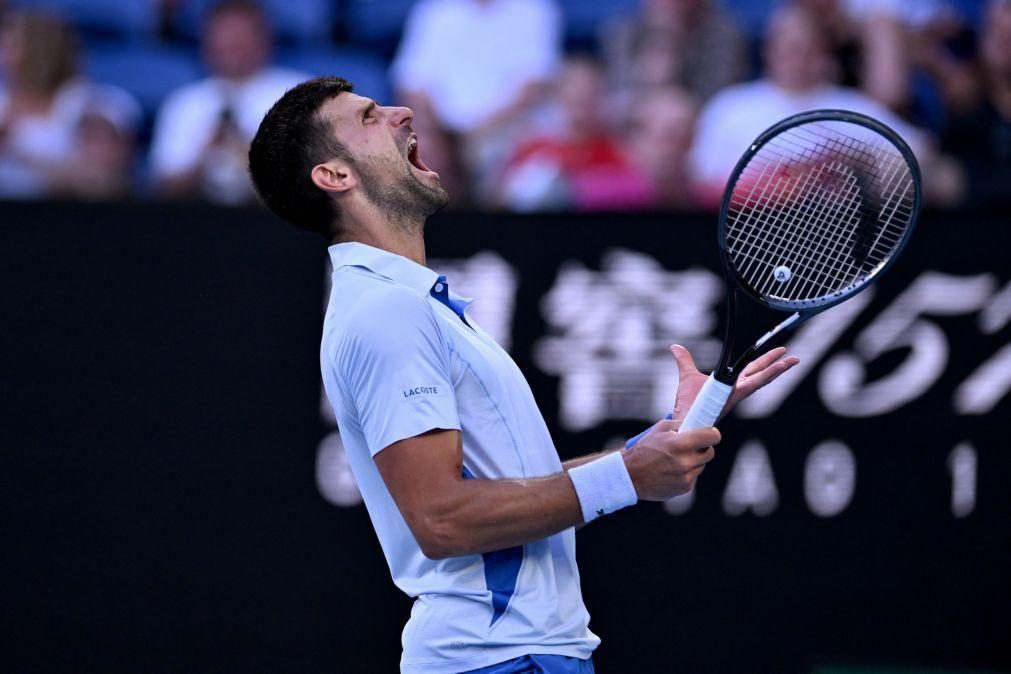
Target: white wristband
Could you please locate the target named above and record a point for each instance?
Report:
(603, 486)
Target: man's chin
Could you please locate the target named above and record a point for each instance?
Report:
(439, 200)
(431, 192)
(406, 197)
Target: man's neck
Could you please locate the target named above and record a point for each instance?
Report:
(407, 241)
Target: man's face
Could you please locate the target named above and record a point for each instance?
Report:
(386, 155)
(235, 44)
(996, 41)
(579, 93)
(795, 56)
(662, 127)
(11, 49)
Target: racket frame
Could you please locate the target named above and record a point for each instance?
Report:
(726, 371)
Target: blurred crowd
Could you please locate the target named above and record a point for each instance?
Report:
(515, 109)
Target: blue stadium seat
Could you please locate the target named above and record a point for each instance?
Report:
(376, 23)
(148, 72)
(971, 11)
(751, 15)
(364, 69)
(134, 19)
(294, 21)
(584, 18)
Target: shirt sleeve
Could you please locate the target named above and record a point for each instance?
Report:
(397, 370)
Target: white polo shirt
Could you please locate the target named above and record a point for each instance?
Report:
(397, 361)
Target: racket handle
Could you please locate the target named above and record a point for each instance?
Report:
(707, 406)
(704, 411)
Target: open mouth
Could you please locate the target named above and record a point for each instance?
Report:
(414, 156)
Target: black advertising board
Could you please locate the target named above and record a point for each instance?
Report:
(177, 499)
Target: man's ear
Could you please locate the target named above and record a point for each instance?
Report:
(335, 177)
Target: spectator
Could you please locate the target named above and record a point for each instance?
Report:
(580, 165)
(660, 131)
(47, 116)
(202, 133)
(106, 145)
(870, 43)
(466, 57)
(944, 52)
(799, 69)
(980, 135)
(685, 43)
(472, 70)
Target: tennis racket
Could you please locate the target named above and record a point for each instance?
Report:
(815, 211)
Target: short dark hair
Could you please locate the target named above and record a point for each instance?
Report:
(291, 140)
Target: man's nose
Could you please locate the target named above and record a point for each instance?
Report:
(400, 116)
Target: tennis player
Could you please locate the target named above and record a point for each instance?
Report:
(474, 511)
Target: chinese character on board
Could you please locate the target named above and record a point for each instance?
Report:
(609, 333)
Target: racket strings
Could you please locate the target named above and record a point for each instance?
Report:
(841, 238)
(804, 268)
(777, 235)
(787, 231)
(818, 209)
(816, 237)
(848, 183)
(786, 235)
(783, 231)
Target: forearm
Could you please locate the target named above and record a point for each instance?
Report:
(477, 516)
(580, 460)
(452, 516)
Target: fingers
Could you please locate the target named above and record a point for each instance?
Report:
(698, 440)
(684, 360)
(667, 425)
(764, 361)
(768, 374)
(704, 456)
(697, 443)
(666, 463)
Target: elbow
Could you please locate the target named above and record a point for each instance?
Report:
(440, 538)
(436, 551)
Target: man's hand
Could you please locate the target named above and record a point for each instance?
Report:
(665, 463)
(757, 374)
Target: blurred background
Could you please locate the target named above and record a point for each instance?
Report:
(175, 495)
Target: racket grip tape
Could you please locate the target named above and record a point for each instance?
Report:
(707, 406)
(704, 411)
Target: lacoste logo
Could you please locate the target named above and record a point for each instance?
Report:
(421, 390)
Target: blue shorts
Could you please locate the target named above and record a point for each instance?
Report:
(539, 664)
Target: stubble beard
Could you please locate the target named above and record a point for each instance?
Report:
(392, 186)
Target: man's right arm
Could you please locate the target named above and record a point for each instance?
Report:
(416, 442)
(451, 516)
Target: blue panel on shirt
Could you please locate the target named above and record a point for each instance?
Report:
(501, 569)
